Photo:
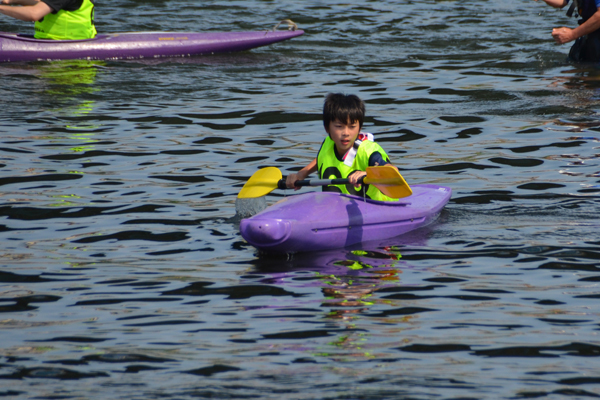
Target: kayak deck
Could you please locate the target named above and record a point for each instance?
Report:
(324, 220)
(136, 45)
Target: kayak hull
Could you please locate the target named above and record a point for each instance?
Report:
(320, 221)
(135, 45)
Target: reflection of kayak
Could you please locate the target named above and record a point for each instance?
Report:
(135, 45)
(324, 220)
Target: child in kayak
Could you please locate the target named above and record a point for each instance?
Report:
(346, 152)
(54, 19)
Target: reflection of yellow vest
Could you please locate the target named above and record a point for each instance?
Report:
(68, 25)
(331, 168)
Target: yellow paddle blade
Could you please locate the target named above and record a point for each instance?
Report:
(388, 179)
(263, 182)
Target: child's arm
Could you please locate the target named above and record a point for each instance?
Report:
(34, 10)
(354, 177)
(20, 2)
(556, 3)
(375, 160)
(301, 175)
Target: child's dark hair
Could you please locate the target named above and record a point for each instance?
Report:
(345, 108)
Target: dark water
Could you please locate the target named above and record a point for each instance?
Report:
(122, 272)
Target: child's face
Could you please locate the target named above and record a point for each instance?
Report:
(343, 134)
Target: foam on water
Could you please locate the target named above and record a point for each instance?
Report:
(245, 208)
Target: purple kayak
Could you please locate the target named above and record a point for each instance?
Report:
(319, 221)
(136, 45)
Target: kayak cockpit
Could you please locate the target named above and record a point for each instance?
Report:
(30, 38)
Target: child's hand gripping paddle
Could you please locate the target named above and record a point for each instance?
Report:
(385, 178)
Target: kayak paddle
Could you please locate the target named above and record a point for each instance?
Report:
(385, 178)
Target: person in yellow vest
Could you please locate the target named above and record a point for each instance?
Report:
(346, 152)
(54, 19)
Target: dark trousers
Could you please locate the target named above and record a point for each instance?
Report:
(586, 48)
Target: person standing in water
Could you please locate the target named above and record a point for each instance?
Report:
(586, 36)
(54, 19)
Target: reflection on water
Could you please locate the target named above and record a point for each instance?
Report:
(71, 82)
(122, 271)
(74, 76)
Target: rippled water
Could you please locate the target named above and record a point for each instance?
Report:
(123, 274)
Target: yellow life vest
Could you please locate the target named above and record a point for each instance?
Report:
(331, 168)
(68, 25)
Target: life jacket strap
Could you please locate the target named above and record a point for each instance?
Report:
(571, 8)
(351, 154)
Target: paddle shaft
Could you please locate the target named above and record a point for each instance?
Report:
(316, 182)
(386, 178)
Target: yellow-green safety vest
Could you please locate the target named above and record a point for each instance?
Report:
(331, 168)
(68, 25)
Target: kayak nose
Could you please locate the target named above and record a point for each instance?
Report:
(264, 232)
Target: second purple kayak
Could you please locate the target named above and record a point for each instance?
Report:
(319, 221)
(136, 45)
